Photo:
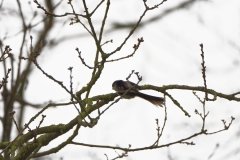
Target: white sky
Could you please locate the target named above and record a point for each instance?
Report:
(170, 54)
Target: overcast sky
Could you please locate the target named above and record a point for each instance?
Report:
(170, 54)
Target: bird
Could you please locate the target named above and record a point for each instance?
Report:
(129, 90)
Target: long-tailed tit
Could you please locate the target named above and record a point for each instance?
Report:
(122, 86)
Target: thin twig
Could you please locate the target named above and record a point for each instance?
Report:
(82, 59)
(159, 133)
(135, 47)
(55, 15)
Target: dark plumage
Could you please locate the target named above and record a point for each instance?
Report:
(121, 87)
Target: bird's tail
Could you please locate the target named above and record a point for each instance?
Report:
(158, 101)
